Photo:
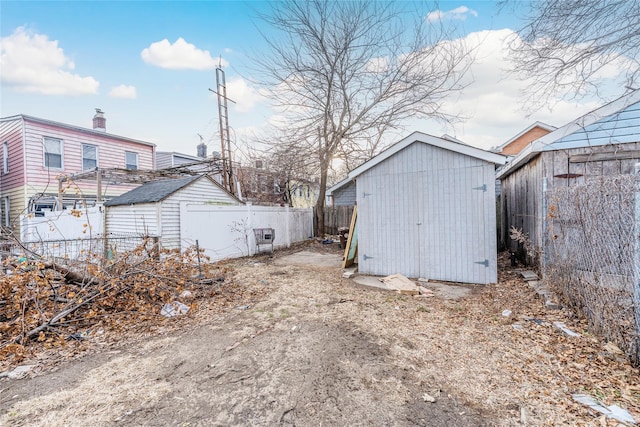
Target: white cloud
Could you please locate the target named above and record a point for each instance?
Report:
(377, 65)
(31, 62)
(179, 56)
(491, 105)
(458, 14)
(123, 91)
(245, 97)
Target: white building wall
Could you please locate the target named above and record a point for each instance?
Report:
(428, 212)
(227, 231)
(200, 191)
(62, 225)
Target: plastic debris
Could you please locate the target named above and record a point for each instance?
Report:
(566, 330)
(19, 372)
(506, 313)
(242, 307)
(173, 309)
(613, 411)
(428, 398)
(77, 337)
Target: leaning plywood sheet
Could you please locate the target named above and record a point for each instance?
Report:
(351, 248)
(401, 284)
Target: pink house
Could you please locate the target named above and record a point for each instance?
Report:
(36, 152)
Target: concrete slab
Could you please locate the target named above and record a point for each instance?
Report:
(370, 281)
(529, 275)
(307, 258)
(447, 291)
(442, 290)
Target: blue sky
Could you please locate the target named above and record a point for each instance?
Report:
(148, 65)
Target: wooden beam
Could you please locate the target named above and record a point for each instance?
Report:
(604, 156)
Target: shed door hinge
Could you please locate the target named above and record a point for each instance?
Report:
(485, 262)
(483, 187)
(366, 194)
(366, 257)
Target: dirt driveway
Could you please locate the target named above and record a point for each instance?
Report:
(311, 348)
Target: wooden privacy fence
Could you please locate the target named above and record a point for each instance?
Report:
(336, 217)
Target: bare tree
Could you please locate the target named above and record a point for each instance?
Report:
(569, 46)
(344, 73)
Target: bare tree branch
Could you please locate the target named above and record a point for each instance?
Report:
(342, 74)
(570, 47)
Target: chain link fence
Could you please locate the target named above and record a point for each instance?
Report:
(93, 250)
(590, 255)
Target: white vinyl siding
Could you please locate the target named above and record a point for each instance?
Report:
(7, 212)
(53, 153)
(5, 157)
(139, 220)
(89, 157)
(131, 160)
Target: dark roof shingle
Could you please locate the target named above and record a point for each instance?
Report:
(152, 191)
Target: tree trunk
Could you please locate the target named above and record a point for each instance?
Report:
(324, 170)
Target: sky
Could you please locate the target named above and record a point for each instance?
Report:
(150, 65)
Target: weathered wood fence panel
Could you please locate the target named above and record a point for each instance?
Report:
(336, 217)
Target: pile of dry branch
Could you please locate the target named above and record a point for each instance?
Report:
(44, 304)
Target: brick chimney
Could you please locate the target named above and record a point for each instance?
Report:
(99, 121)
(202, 150)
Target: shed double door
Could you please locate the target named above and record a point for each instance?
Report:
(435, 224)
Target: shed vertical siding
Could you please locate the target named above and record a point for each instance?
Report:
(522, 191)
(522, 205)
(424, 213)
(345, 196)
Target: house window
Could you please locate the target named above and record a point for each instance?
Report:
(7, 212)
(89, 157)
(308, 192)
(5, 157)
(52, 153)
(131, 160)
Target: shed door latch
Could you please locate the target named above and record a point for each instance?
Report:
(485, 262)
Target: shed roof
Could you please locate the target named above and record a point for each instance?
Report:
(560, 138)
(157, 191)
(430, 140)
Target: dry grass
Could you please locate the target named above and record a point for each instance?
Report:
(465, 350)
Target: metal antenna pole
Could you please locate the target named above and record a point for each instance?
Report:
(225, 140)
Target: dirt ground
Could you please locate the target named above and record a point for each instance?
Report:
(309, 348)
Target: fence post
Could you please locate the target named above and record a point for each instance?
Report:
(636, 258)
(287, 216)
(249, 229)
(543, 238)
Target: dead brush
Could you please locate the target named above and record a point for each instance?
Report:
(44, 303)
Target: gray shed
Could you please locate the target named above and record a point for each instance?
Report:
(342, 194)
(426, 208)
(604, 142)
(154, 208)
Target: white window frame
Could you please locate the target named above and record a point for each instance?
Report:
(44, 152)
(126, 163)
(7, 211)
(5, 157)
(95, 147)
